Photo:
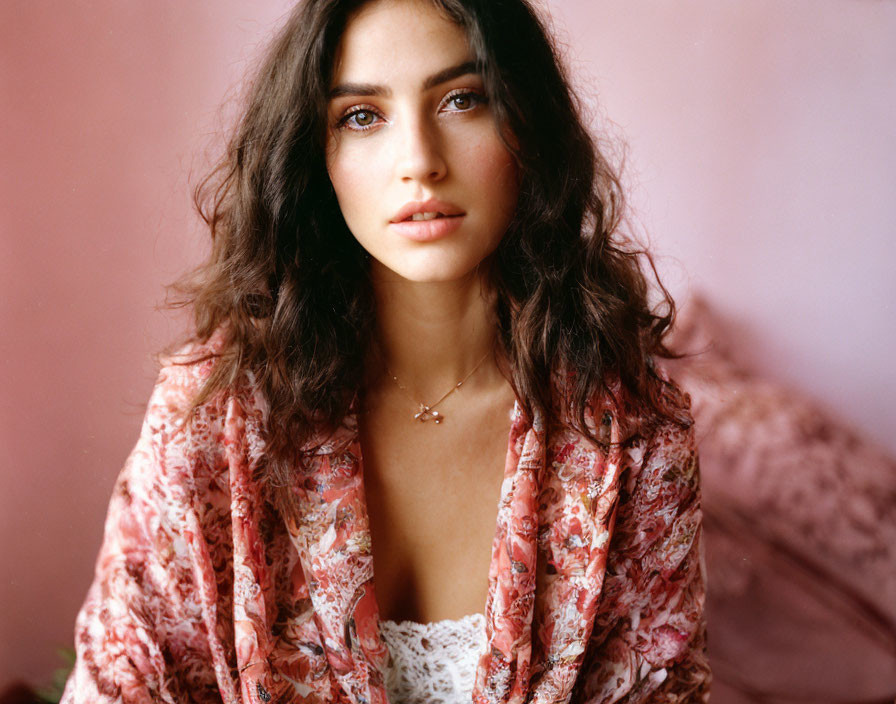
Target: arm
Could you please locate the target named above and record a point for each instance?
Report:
(649, 638)
(142, 633)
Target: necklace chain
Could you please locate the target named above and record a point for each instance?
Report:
(425, 411)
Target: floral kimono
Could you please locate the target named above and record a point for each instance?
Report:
(204, 593)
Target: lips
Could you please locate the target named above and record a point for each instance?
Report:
(426, 211)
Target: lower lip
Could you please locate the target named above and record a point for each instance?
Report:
(427, 230)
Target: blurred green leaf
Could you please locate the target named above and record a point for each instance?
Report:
(53, 692)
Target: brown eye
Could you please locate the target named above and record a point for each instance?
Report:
(358, 120)
(464, 101)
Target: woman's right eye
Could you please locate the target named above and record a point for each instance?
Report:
(358, 119)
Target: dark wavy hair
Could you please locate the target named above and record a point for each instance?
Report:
(287, 285)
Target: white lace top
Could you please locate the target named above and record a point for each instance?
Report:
(433, 663)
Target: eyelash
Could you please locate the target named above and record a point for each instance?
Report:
(342, 124)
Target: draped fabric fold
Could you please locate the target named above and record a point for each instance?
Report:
(334, 534)
(555, 523)
(204, 592)
(503, 672)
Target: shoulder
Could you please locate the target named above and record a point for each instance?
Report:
(661, 423)
(185, 379)
(659, 485)
(181, 378)
(669, 441)
(191, 424)
(190, 458)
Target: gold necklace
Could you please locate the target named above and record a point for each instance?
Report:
(426, 411)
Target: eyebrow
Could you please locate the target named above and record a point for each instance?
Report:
(432, 81)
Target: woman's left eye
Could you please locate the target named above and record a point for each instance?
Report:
(464, 100)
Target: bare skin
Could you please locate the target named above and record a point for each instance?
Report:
(433, 490)
(409, 124)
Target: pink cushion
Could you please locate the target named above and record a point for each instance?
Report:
(800, 515)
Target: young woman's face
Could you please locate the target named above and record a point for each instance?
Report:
(410, 131)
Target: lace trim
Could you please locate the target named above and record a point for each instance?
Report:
(433, 663)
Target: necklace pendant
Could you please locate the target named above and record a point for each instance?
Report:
(426, 413)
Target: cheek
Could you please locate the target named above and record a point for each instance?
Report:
(351, 175)
(495, 172)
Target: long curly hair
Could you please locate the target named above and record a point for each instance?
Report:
(287, 285)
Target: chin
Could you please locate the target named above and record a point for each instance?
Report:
(431, 276)
(434, 270)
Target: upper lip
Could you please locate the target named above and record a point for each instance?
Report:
(432, 205)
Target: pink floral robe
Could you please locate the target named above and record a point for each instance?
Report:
(203, 593)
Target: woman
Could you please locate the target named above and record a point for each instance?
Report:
(416, 262)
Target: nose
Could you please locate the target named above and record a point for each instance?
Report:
(420, 152)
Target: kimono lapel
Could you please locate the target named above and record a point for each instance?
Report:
(333, 538)
(576, 514)
(555, 520)
(252, 584)
(503, 671)
(554, 523)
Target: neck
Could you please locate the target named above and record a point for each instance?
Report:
(432, 335)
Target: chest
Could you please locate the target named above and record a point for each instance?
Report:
(432, 495)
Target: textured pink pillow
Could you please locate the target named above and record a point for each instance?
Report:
(801, 535)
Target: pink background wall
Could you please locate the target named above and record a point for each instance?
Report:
(762, 162)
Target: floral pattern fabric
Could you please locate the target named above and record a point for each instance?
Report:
(204, 593)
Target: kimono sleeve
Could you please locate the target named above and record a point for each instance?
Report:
(142, 634)
(649, 637)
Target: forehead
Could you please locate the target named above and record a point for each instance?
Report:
(394, 41)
